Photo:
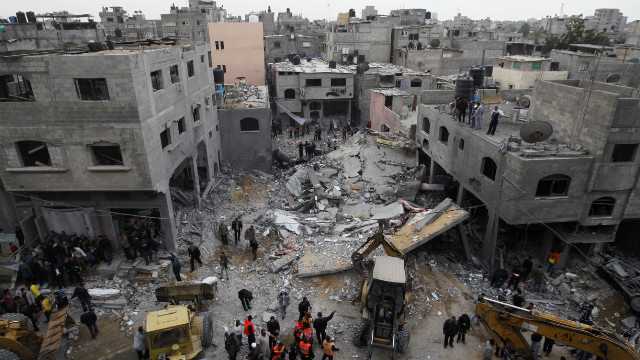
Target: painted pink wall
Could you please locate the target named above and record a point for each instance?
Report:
(380, 114)
(243, 52)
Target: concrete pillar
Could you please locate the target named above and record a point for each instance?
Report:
(169, 222)
(596, 248)
(564, 256)
(460, 197)
(487, 247)
(545, 249)
(432, 170)
(196, 179)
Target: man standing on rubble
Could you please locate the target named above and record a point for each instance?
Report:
(236, 225)
(253, 243)
(89, 318)
(273, 326)
(527, 267)
(250, 234)
(283, 300)
(464, 323)
(250, 330)
(320, 324)
(175, 265)
(300, 150)
(263, 344)
(223, 232)
(194, 255)
(553, 260)
(303, 307)
(449, 329)
(224, 265)
(538, 278)
(83, 295)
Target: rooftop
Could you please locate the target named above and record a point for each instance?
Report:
(522, 58)
(246, 97)
(391, 92)
(389, 69)
(313, 66)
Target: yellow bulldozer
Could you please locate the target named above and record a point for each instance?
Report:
(181, 332)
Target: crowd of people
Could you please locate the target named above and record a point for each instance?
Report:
(266, 343)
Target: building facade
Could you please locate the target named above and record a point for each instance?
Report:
(369, 39)
(521, 72)
(238, 49)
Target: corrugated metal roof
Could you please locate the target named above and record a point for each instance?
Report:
(389, 269)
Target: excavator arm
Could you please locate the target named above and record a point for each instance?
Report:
(507, 325)
(371, 244)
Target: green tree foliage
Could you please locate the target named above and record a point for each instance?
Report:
(524, 30)
(576, 34)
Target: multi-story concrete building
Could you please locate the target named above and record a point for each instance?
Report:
(278, 47)
(521, 72)
(418, 37)
(267, 18)
(554, 25)
(245, 128)
(108, 133)
(122, 27)
(409, 17)
(351, 40)
(369, 13)
(633, 33)
(607, 20)
(581, 182)
(584, 66)
(391, 110)
(47, 35)
(462, 23)
(314, 91)
(190, 24)
(479, 52)
(238, 49)
(436, 61)
(289, 23)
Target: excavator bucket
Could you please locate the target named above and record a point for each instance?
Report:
(174, 292)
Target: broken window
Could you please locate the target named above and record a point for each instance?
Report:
(416, 83)
(314, 82)
(15, 88)
(276, 44)
(290, 94)
(612, 79)
(426, 125)
(156, 80)
(33, 153)
(553, 185)
(339, 82)
(106, 154)
(249, 124)
(461, 145)
(489, 168)
(623, 152)
(221, 45)
(602, 206)
(209, 56)
(398, 83)
(181, 126)
(388, 101)
(92, 89)
(196, 112)
(165, 138)
(175, 74)
(425, 144)
(190, 70)
(444, 135)
(217, 45)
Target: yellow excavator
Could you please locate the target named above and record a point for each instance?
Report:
(507, 324)
(372, 243)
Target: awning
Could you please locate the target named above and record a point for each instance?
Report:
(297, 118)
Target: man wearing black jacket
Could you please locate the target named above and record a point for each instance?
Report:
(320, 324)
(273, 327)
(194, 255)
(464, 323)
(450, 329)
(303, 307)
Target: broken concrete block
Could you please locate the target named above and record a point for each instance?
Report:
(320, 263)
(557, 281)
(387, 212)
(283, 261)
(629, 322)
(266, 316)
(565, 290)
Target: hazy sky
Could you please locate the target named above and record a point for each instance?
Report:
(446, 9)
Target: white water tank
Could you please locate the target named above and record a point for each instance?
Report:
(253, 18)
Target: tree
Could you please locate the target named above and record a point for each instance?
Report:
(524, 30)
(575, 34)
(538, 34)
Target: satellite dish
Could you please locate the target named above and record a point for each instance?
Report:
(434, 43)
(420, 62)
(536, 131)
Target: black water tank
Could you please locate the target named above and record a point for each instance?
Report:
(218, 76)
(427, 15)
(488, 70)
(360, 59)
(296, 60)
(352, 13)
(356, 52)
(419, 46)
(477, 73)
(464, 87)
(31, 17)
(332, 64)
(456, 32)
(350, 58)
(291, 56)
(118, 33)
(22, 18)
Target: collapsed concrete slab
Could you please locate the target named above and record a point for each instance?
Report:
(283, 261)
(284, 219)
(322, 263)
(387, 212)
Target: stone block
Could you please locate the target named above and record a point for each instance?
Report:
(565, 290)
(557, 281)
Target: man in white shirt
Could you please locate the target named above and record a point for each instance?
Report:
(495, 115)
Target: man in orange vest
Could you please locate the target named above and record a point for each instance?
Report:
(328, 348)
(249, 330)
(297, 330)
(279, 351)
(306, 351)
(307, 332)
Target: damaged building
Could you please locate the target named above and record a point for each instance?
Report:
(579, 184)
(108, 135)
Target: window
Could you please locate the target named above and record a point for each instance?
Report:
(584, 66)
(602, 206)
(553, 185)
(388, 101)
(516, 65)
(181, 126)
(106, 154)
(33, 153)
(314, 82)
(489, 168)
(276, 44)
(224, 68)
(306, 44)
(623, 152)
(426, 125)
(385, 128)
(15, 88)
(461, 145)
(165, 138)
(444, 135)
(613, 78)
(249, 124)
(156, 80)
(92, 89)
(315, 106)
(404, 33)
(290, 94)
(221, 45)
(209, 55)
(339, 82)
(110, 19)
(190, 70)
(201, 34)
(201, 59)
(217, 45)
(196, 112)
(175, 74)
(425, 144)
(536, 65)
(416, 83)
